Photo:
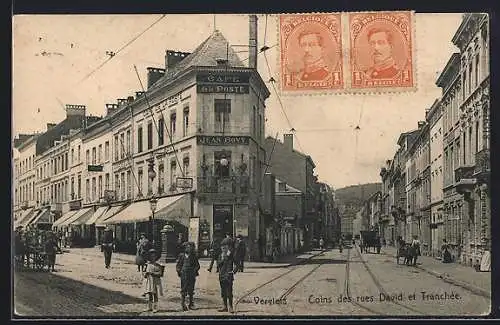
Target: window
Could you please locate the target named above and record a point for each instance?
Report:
(122, 146)
(72, 156)
(254, 121)
(463, 85)
(106, 151)
(128, 143)
(185, 121)
(150, 135)
(173, 121)
(99, 154)
(282, 187)
(94, 189)
(463, 151)
(477, 136)
(129, 184)
(117, 186)
(87, 157)
(106, 181)
(99, 187)
(173, 172)
(469, 81)
(79, 150)
(185, 166)
(124, 188)
(139, 139)
(87, 189)
(221, 170)
(139, 180)
(94, 156)
(161, 178)
(161, 130)
(476, 70)
(117, 146)
(79, 186)
(471, 156)
(222, 110)
(72, 188)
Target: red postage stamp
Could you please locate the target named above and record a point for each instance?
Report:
(310, 52)
(381, 53)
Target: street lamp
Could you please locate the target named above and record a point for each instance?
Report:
(153, 202)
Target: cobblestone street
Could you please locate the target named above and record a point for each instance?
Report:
(328, 283)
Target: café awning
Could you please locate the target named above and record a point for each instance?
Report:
(110, 213)
(97, 214)
(76, 216)
(24, 217)
(43, 217)
(64, 217)
(82, 216)
(141, 211)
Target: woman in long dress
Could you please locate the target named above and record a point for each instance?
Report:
(152, 280)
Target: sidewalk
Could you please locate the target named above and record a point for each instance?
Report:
(87, 266)
(454, 273)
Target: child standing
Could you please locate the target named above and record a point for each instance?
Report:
(187, 269)
(152, 280)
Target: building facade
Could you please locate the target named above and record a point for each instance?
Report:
(435, 121)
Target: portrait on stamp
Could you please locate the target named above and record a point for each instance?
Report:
(311, 52)
(381, 50)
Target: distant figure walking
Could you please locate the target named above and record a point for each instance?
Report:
(214, 253)
(107, 246)
(51, 249)
(143, 247)
(446, 252)
(321, 243)
(239, 253)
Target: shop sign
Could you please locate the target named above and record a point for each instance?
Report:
(229, 89)
(222, 140)
(232, 83)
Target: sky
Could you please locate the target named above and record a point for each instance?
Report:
(54, 55)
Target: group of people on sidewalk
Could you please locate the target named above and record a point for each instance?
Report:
(32, 242)
(226, 253)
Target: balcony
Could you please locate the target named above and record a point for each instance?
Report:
(482, 168)
(464, 172)
(56, 207)
(228, 186)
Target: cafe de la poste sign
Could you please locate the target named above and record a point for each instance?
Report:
(231, 83)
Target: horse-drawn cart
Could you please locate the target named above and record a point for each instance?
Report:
(370, 240)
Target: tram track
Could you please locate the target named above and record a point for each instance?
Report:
(377, 284)
(291, 288)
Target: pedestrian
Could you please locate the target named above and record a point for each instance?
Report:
(321, 243)
(226, 275)
(107, 246)
(187, 269)
(214, 253)
(51, 249)
(239, 253)
(143, 246)
(415, 249)
(446, 252)
(152, 280)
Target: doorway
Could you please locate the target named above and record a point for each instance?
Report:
(223, 219)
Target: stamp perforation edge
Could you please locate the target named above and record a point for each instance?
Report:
(347, 90)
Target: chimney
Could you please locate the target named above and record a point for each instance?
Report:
(420, 124)
(130, 99)
(50, 126)
(121, 102)
(75, 110)
(221, 61)
(288, 141)
(110, 108)
(154, 74)
(138, 94)
(252, 42)
(174, 57)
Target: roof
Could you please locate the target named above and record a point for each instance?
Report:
(289, 189)
(449, 72)
(206, 54)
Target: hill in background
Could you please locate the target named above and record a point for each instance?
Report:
(355, 195)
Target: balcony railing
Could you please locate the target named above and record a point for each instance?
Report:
(237, 185)
(482, 162)
(464, 172)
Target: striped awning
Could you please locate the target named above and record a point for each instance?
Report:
(64, 217)
(98, 213)
(83, 217)
(43, 217)
(80, 214)
(108, 214)
(24, 218)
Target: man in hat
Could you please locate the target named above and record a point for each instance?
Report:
(187, 269)
(107, 246)
(226, 274)
(51, 249)
(239, 253)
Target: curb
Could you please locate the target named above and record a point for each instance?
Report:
(467, 286)
(306, 259)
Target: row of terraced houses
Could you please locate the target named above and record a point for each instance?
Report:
(195, 142)
(437, 185)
